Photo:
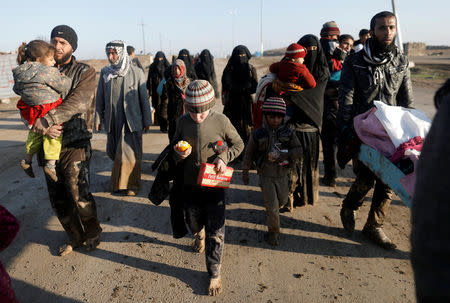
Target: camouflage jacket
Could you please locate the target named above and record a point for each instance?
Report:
(39, 84)
(78, 108)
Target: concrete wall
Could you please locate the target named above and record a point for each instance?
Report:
(415, 48)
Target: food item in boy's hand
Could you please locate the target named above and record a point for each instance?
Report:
(182, 146)
(273, 155)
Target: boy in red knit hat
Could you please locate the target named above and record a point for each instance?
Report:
(292, 74)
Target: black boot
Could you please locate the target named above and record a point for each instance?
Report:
(348, 219)
(329, 181)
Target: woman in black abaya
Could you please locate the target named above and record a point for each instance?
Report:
(306, 121)
(239, 81)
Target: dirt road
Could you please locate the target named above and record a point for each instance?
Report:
(139, 261)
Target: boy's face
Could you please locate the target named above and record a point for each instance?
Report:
(346, 44)
(199, 118)
(274, 120)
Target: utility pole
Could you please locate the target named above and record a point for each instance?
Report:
(232, 12)
(143, 35)
(160, 42)
(399, 33)
(262, 47)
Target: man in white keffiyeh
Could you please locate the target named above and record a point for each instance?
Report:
(118, 59)
(123, 110)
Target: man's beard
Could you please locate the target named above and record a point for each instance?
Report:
(63, 59)
(380, 48)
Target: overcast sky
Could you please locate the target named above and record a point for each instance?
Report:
(199, 24)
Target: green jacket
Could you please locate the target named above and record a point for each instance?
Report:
(203, 137)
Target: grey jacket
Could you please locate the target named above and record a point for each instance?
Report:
(362, 83)
(39, 84)
(136, 104)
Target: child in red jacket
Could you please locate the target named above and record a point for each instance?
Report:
(292, 74)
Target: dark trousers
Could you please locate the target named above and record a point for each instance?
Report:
(176, 202)
(328, 136)
(381, 199)
(70, 197)
(304, 176)
(329, 129)
(205, 207)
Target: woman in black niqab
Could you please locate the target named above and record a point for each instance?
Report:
(306, 121)
(239, 81)
(186, 57)
(156, 74)
(204, 68)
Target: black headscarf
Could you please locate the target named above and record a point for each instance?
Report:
(309, 102)
(238, 70)
(315, 60)
(159, 66)
(239, 50)
(186, 57)
(204, 67)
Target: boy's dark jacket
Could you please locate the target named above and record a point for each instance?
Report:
(260, 144)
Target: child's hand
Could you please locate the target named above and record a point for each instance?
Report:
(183, 154)
(245, 177)
(283, 157)
(220, 166)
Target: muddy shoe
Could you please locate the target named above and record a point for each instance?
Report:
(92, 243)
(50, 171)
(348, 219)
(272, 238)
(377, 236)
(215, 286)
(65, 250)
(26, 166)
(199, 242)
(131, 193)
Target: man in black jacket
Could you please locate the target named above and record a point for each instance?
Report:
(378, 72)
(70, 197)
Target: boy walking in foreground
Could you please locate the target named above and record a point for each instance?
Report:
(202, 128)
(273, 148)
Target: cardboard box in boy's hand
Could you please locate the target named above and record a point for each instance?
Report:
(207, 176)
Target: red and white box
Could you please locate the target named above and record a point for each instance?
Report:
(207, 176)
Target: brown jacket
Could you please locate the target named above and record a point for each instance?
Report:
(77, 109)
(202, 137)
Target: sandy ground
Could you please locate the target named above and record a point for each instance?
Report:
(139, 261)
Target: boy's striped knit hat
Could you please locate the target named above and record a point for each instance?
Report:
(199, 96)
(274, 105)
(295, 51)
